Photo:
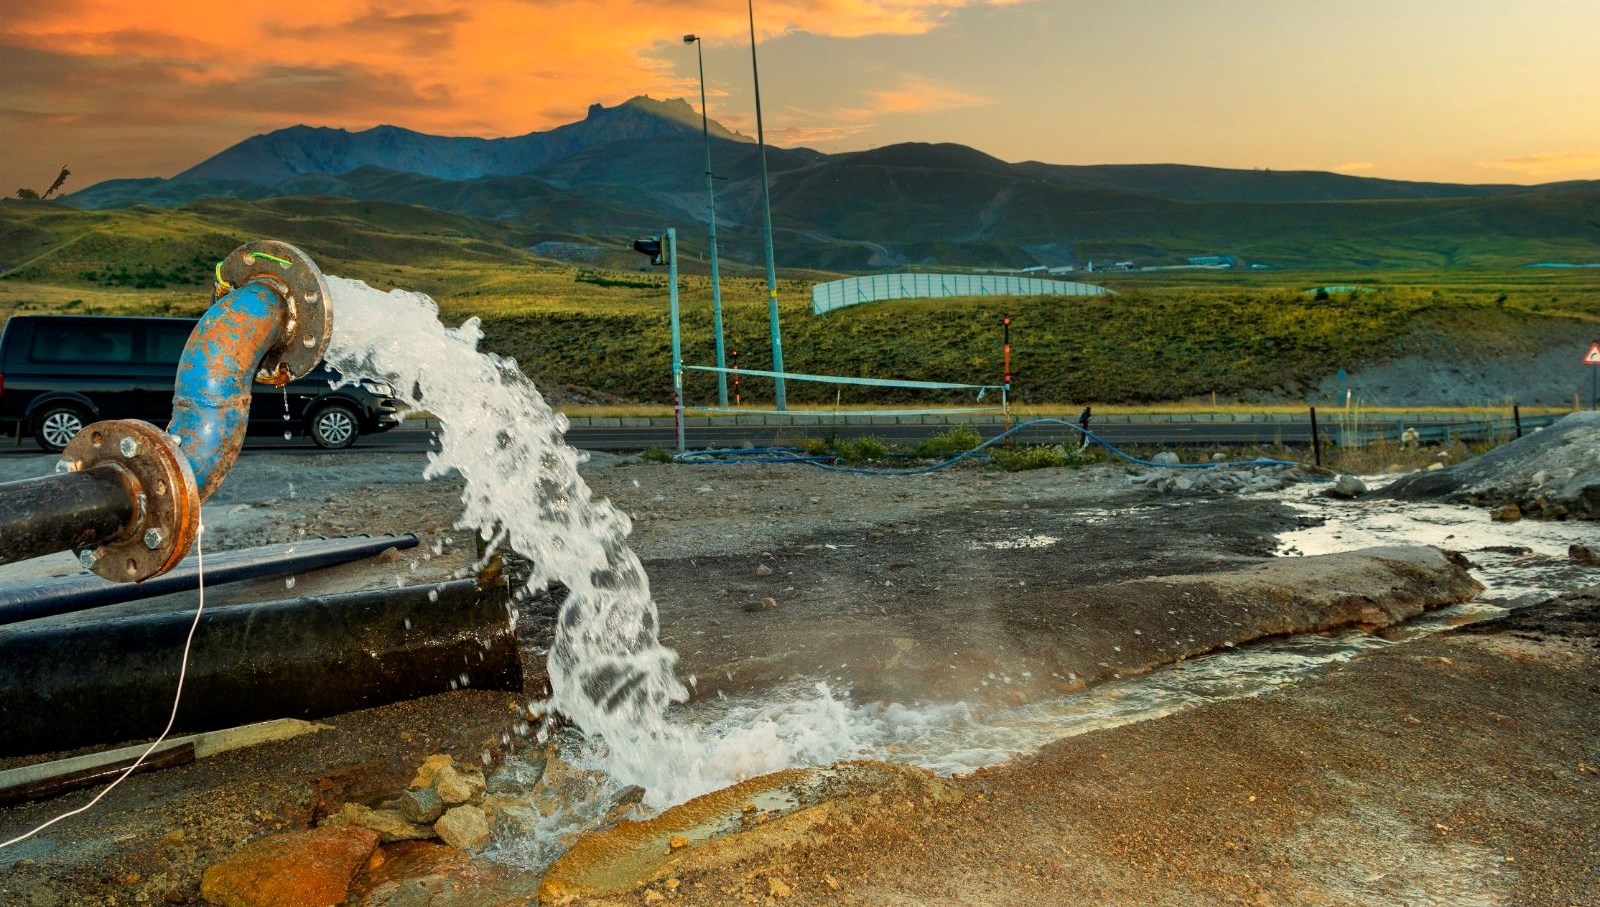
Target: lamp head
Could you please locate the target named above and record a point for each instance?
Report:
(690, 39)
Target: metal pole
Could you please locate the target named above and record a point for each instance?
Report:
(1316, 442)
(711, 210)
(1005, 417)
(766, 213)
(677, 341)
(1516, 417)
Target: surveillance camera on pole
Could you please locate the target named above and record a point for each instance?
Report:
(652, 246)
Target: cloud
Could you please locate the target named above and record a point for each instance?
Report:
(77, 74)
(1574, 164)
(912, 94)
(909, 94)
(815, 135)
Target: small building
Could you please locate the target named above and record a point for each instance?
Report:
(1064, 269)
(1214, 261)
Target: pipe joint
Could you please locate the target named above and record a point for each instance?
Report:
(160, 487)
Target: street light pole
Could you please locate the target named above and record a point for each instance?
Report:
(711, 210)
(766, 211)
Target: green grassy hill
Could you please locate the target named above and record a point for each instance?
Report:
(1166, 336)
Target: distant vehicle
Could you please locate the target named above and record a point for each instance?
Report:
(59, 373)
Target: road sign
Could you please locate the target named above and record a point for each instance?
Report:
(1593, 356)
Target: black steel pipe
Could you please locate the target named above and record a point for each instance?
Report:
(53, 595)
(64, 511)
(65, 685)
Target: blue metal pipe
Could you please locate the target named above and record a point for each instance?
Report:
(211, 402)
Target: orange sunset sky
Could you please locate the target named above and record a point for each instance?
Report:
(1455, 90)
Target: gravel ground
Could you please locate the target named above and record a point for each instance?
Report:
(856, 565)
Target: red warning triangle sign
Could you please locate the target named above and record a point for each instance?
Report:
(1593, 356)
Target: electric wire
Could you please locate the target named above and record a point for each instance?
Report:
(183, 670)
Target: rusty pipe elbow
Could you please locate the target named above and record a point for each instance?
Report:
(271, 322)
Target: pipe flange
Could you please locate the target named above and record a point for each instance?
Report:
(166, 498)
(300, 283)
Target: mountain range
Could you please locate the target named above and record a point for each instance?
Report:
(631, 169)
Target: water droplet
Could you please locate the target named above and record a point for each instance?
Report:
(408, 623)
(288, 583)
(433, 595)
(287, 434)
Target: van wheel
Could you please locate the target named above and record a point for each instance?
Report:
(54, 427)
(335, 426)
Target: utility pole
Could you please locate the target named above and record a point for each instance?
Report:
(766, 212)
(670, 247)
(711, 211)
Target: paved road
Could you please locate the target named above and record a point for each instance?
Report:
(698, 437)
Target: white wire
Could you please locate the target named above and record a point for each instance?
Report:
(183, 670)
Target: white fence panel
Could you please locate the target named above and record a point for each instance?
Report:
(839, 294)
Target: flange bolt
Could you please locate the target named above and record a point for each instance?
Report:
(153, 538)
(129, 447)
(88, 557)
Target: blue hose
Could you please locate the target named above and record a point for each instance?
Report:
(791, 455)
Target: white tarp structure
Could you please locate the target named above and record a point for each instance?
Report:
(838, 294)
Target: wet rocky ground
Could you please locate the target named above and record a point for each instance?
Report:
(971, 585)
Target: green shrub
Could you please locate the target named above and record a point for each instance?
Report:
(656, 455)
(1040, 456)
(863, 450)
(945, 445)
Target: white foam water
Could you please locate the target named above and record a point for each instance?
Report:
(609, 673)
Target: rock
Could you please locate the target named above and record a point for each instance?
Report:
(777, 888)
(456, 786)
(1560, 467)
(1346, 487)
(423, 806)
(1584, 555)
(1166, 458)
(622, 804)
(1510, 513)
(291, 869)
(1219, 458)
(390, 825)
(678, 842)
(463, 827)
(430, 767)
(763, 570)
(1434, 467)
(417, 873)
(766, 604)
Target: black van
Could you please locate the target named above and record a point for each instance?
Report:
(59, 373)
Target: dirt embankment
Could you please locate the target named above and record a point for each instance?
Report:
(1460, 770)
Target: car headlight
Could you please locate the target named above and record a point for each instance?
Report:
(374, 387)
